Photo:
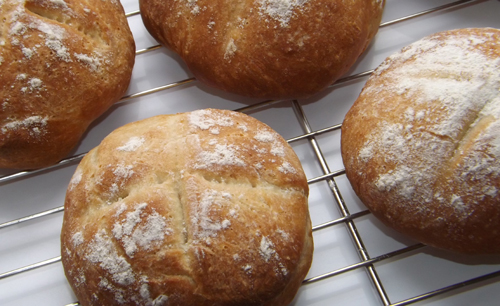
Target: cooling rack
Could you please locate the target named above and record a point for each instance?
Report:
(357, 261)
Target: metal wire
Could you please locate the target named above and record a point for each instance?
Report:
(363, 253)
(346, 219)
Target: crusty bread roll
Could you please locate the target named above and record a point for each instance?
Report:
(421, 145)
(201, 208)
(265, 48)
(62, 64)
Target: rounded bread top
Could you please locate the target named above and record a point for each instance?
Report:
(62, 64)
(200, 208)
(421, 144)
(265, 48)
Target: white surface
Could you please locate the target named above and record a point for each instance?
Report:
(403, 277)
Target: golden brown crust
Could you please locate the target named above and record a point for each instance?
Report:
(421, 144)
(200, 208)
(259, 49)
(62, 64)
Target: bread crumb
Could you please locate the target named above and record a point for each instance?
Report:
(259, 150)
(247, 268)
(222, 155)
(59, 3)
(135, 235)
(490, 191)
(230, 50)
(286, 167)
(75, 179)
(92, 62)
(123, 171)
(192, 4)
(77, 239)
(54, 36)
(457, 202)
(265, 136)
(205, 226)
(17, 28)
(28, 53)
(161, 300)
(21, 76)
(400, 179)
(103, 251)
(278, 150)
(284, 235)
(104, 283)
(281, 11)
(266, 248)
(225, 224)
(132, 144)
(283, 269)
(35, 83)
(34, 124)
(205, 119)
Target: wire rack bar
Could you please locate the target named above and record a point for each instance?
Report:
(343, 208)
(132, 13)
(152, 48)
(452, 5)
(21, 174)
(366, 263)
(155, 90)
(32, 217)
(326, 176)
(446, 289)
(30, 267)
(340, 220)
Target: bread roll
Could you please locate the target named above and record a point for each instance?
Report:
(266, 48)
(201, 208)
(62, 64)
(421, 145)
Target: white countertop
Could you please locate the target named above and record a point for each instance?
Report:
(401, 276)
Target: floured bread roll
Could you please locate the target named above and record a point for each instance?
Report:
(201, 208)
(62, 64)
(421, 145)
(265, 48)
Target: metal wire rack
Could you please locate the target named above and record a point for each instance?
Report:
(357, 260)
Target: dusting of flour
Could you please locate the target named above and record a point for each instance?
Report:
(204, 211)
(211, 210)
(140, 230)
(132, 144)
(281, 11)
(35, 125)
(137, 229)
(454, 87)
